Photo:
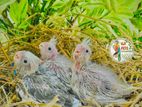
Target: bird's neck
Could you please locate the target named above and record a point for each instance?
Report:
(78, 65)
(53, 57)
(23, 71)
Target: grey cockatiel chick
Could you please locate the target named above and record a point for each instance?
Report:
(91, 80)
(56, 66)
(38, 86)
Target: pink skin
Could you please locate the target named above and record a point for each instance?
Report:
(80, 55)
(76, 56)
(18, 56)
(47, 54)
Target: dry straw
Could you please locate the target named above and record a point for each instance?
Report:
(130, 72)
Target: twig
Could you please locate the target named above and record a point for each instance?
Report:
(5, 53)
(136, 100)
(27, 101)
(4, 93)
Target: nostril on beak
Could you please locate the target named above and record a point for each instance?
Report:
(77, 52)
(17, 56)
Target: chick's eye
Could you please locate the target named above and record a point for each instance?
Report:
(49, 48)
(25, 61)
(87, 51)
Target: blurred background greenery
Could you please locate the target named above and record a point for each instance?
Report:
(101, 18)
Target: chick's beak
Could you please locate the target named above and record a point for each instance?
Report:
(77, 54)
(17, 57)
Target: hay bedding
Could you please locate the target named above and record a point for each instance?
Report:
(130, 72)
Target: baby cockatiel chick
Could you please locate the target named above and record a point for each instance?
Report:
(91, 80)
(26, 62)
(55, 63)
(38, 86)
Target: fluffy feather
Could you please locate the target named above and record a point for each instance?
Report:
(91, 80)
(40, 87)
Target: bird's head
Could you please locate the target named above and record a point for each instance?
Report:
(82, 52)
(48, 50)
(26, 62)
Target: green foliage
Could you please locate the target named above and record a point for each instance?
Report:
(137, 19)
(4, 4)
(104, 18)
(18, 13)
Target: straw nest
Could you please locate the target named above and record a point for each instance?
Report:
(130, 72)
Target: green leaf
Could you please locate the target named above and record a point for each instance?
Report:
(122, 8)
(18, 12)
(3, 36)
(3, 24)
(131, 5)
(4, 4)
(67, 6)
(134, 39)
(58, 4)
(137, 22)
(140, 39)
(127, 7)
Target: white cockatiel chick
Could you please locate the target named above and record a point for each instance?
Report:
(55, 63)
(56, 66)
(91, 80)
(26, 62)
(38, 86)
